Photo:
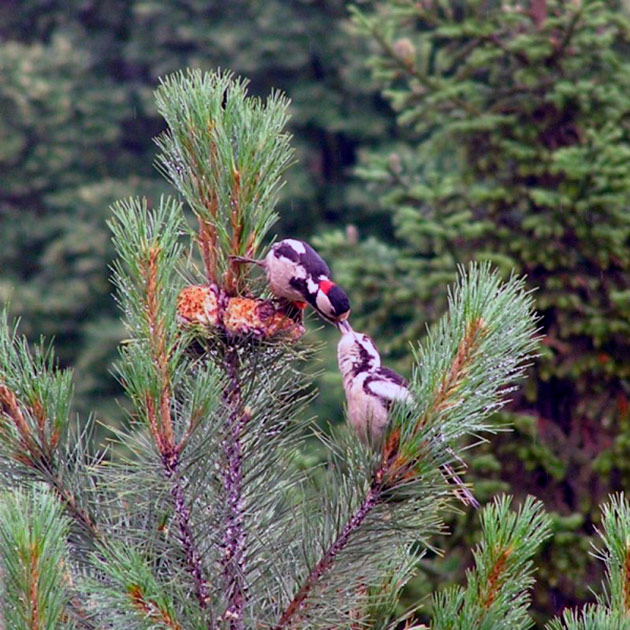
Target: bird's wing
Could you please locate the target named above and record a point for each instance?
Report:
(314, 262)
(388, 385)
(392, 376)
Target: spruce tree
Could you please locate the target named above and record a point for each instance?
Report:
(514, 148)
(203, 514)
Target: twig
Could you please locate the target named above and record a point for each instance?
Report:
(371, 500)
(490, 589)
(232, 277)
(170, 464)
(538, 12)
(33, 591)
(234, 537)
(77, 513)
(160, 355)
(152, 609)
(409, 67)
(568, 35)
(626, 579)
(39, 456)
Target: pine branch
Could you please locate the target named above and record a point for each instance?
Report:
(612, 612)
(151, 609)
(234, 536)
(35, 420)
(171, 463)
(34, 556)
(464, 368)
(615, 537)
(225, 152)
(202, 426)
(146, 278)
(319, 571)
(496, 595)
(590, 618)
(34, 424)
(134, 589)
(403, 60)
(40, 460)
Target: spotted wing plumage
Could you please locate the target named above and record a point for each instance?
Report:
(387, 385)
(303, 254)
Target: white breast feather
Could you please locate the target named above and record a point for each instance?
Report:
(366, 414)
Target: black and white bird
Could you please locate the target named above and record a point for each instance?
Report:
(296, 272)
(372, 389)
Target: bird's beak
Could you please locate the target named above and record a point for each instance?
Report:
(344, 326)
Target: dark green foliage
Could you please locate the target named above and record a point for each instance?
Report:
(63, 160)
(308, 50)
(34, 558)
(517, 139)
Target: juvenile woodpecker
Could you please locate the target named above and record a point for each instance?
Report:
(296, 272)
(371, 390)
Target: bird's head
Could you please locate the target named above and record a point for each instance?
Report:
(356, 352)
(331, 301)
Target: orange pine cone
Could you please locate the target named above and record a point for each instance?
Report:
(242, 316)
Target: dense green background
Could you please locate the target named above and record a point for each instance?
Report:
(498, 135)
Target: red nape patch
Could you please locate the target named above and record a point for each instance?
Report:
(326, 285)
(300, 305)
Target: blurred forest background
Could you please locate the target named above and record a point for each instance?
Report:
(428, 133)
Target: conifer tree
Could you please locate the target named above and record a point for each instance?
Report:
(515, 147)
(203, 517)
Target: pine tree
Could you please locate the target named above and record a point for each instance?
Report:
(516, 146)
(202, 516)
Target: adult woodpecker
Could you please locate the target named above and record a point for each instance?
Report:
(371, 390)
(296, 272)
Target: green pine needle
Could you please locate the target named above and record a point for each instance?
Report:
(590, 618)
(34, 560)
(615, 537)
(467, 365)
(36, 398)
(225, 152)
(496, 596)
